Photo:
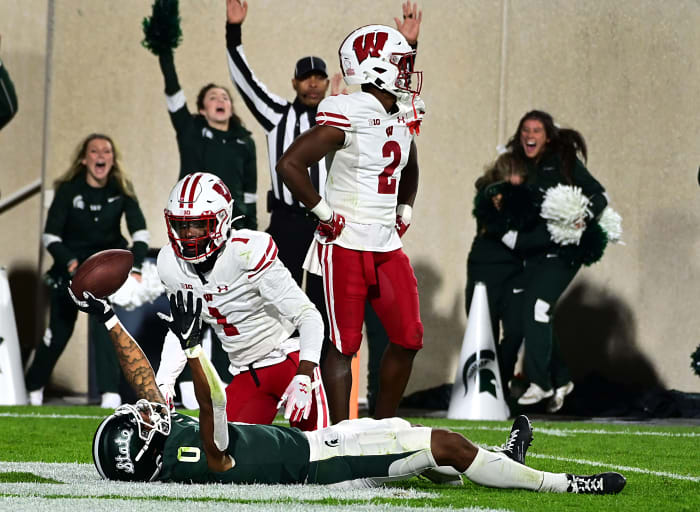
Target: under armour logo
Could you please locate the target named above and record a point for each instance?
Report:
(332, 443)
(303, 388)
(401, 119)
(222, 288)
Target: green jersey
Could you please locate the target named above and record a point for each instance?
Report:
(265, 454)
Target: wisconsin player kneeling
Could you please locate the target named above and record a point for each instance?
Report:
(251, 302)
(146, 442)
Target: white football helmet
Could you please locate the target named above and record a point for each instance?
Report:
(198, 216)
(380, 55)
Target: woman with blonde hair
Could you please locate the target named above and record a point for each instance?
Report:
(85, 218)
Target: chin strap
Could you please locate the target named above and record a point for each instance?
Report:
(413, 109)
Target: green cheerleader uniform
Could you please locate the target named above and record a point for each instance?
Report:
(81, 221)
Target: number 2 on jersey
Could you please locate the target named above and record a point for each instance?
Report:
(387, 183)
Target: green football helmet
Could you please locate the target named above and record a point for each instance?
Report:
(128, 445)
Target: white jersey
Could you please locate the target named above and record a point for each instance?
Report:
(363, 180)
(250, 300)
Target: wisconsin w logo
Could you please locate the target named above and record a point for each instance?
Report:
(369, 45)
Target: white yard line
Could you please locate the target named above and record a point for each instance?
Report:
(36, 504)
(563, 432)
(616, 467)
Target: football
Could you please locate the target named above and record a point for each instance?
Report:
(103, 273)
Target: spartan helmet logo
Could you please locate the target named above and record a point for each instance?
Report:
(478, 362)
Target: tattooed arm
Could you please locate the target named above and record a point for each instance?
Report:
(134, 363)
(135, 366)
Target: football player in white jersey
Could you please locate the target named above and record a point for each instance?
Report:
(251, 302)
(371, 186)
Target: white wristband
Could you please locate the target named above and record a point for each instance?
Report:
(322, 211)
(193, 352)
(111, 322)
(405, 211)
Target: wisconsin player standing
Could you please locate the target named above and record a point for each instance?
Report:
(374, 169)
(251, 302)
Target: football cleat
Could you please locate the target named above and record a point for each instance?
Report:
(557, 401)
(602, 483)
(519, 440)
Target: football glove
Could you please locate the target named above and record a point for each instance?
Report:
(401, 226)
(331, 228)
(298, 397)
(403, 218)
(98, 308)
(185, 323)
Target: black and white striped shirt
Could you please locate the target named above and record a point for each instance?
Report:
(282, 121)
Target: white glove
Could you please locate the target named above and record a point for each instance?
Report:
(168, 392)
(298, 398)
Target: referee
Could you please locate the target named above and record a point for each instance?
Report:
(291, 225)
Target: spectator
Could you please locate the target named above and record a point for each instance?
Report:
(213, 139)
(549, 155)
(8, 97)
(374, 169)
(492, 263)
(84, 218)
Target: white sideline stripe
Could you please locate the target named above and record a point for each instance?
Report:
(563, 432)
(617, 467)
(51, 416)
(35, 504)
(83, 480)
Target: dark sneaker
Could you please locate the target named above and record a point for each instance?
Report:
(602, 483)
(519, 440)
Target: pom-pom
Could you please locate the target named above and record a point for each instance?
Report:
(565, 208)
(590, 248)
(162, 31)
(695, 361)
(611, 222)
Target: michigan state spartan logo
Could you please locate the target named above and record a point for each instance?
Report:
(477, 363)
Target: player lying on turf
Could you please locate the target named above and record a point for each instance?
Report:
(145, 441)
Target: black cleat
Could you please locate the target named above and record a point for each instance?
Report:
(519, 440)
(602, 483)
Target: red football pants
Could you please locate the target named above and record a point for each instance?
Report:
(385, 278)
(249, 401)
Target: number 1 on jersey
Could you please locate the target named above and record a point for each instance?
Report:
(229, 329)
(387, 183)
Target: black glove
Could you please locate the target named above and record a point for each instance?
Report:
(98, 308)
(184, 320)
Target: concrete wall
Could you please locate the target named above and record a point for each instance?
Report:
(624, 73)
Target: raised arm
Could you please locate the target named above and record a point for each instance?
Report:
(185, 323)
(134, 363)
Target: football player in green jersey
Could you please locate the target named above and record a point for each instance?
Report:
(145, 441)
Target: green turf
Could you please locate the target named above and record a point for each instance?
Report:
(661, 463)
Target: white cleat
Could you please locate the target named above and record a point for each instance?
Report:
(557, 401)
(110, 400)
(534, 394)
(36, 397)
